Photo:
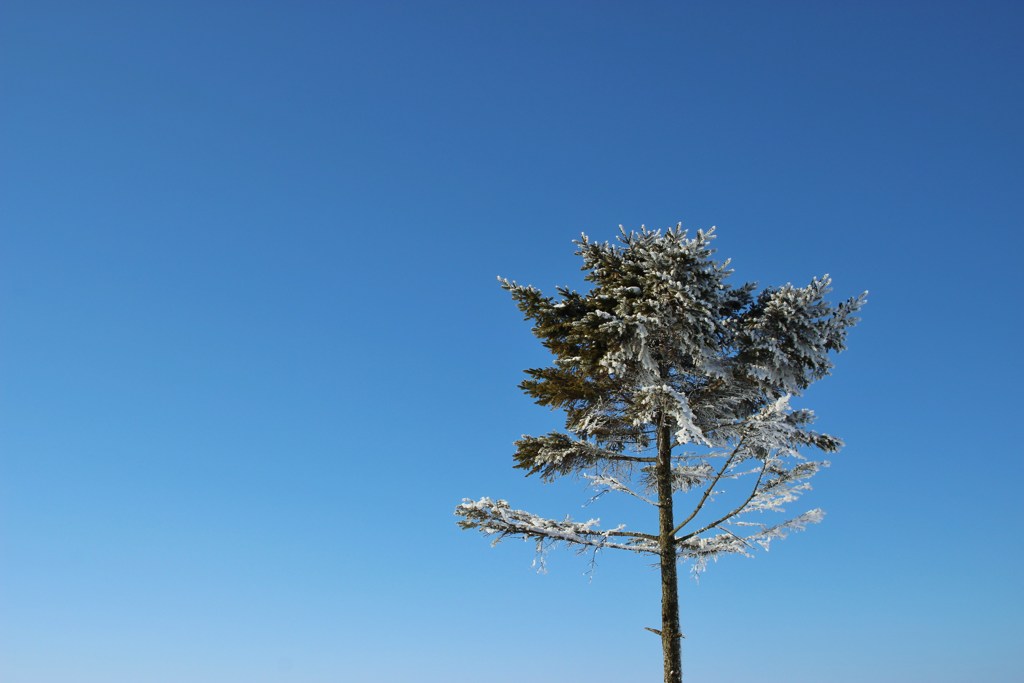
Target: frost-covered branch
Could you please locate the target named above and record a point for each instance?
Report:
(709, 489)
(498, 519)
(737, 510)
(609, 483)
(686, 477)
(775, 428)
(782, 487)
(701, 549)
(558, 454)
(664, 400)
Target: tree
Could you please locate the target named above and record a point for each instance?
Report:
(674, 383)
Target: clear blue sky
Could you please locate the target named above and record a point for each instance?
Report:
(252, 351)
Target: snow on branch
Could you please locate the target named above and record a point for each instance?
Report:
(778, 427)
(606, 483)
(788, 333)
(558, 454)
(710, 487)
(662, 399)
(496, 518)
(783, 485)
(701, 549)
(777, 484)
(686, 477)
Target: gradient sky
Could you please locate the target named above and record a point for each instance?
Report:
(252, 350)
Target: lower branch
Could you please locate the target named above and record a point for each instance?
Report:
(498, 519)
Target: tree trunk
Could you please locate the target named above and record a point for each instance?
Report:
(670, 635)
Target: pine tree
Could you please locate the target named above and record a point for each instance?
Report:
(674, 383)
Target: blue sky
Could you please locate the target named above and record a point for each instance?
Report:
(252, 351)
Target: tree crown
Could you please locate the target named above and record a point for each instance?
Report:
(663, 343)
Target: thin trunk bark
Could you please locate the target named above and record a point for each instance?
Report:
(670, 635)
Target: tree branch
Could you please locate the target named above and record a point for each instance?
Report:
(738, 538)
(709, 489)
(558, 454)
(630, 458)
(735, 512)
(498, 518)
(613, 484)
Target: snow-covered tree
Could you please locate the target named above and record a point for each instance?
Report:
(676, 387)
